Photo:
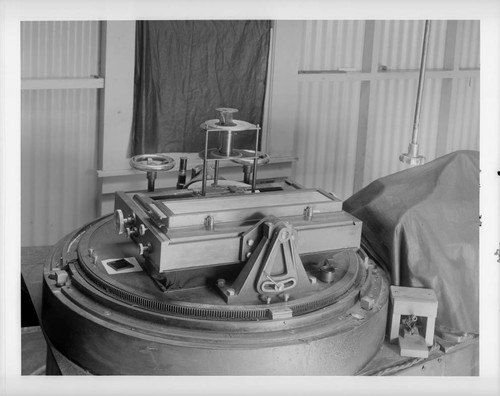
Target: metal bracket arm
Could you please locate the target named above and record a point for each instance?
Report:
(274, 267)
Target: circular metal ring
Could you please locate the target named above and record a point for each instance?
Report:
(152, 162)
(239, 125)
(247, 157)
(214, 153)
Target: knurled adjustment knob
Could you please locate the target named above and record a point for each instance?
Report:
(131, 231)
(122, 222)
(142, 229)
(144, 248)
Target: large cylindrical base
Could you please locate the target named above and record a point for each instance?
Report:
(108, 336)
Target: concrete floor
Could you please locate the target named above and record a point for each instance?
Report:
(33, 350)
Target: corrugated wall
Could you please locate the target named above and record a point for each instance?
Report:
(469, 48)
(58, 131)
(391, 121)
(327, 122)
(328, 113)
(393, 108)
(59, 49)
(464, 119)
(332, 45)
(401, 44)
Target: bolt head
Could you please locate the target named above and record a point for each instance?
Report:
(285, 235)
(250, 242)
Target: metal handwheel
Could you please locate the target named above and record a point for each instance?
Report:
(247, 160)
(152, 163)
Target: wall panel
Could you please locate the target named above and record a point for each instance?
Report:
(391, 124)
(464, 116)
(58, 148)
(469, 45)
(60, 49)
(400, 45)
(328, 108)
(58, 131)
(327, 122)
(332, 45)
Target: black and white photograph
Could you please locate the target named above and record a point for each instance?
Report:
(248, 198)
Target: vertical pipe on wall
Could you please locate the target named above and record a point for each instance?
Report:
(420, 88)
(412, 157)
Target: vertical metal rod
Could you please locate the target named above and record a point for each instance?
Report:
(247, 171)
(226, 143)
(421, 77)
(181, 177)
(151, 175)
(256, 159)
(204, 179)
(216, 173)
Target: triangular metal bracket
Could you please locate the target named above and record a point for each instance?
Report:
(273, 266)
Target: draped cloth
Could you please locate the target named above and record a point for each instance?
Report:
(423, 225)
(186, 69)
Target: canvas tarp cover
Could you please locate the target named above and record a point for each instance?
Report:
(186, 69)
(425, 221)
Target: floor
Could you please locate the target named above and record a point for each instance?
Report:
(33, 351)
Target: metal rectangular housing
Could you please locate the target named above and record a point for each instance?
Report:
(178, 238)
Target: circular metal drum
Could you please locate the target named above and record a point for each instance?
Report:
(132, 322)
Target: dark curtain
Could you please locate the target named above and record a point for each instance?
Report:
(186, 69)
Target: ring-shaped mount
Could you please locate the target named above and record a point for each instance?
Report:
(247, 157)
(152, 162)
(238, 125)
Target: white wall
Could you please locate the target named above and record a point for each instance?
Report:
(59, 110)
(346, 96)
